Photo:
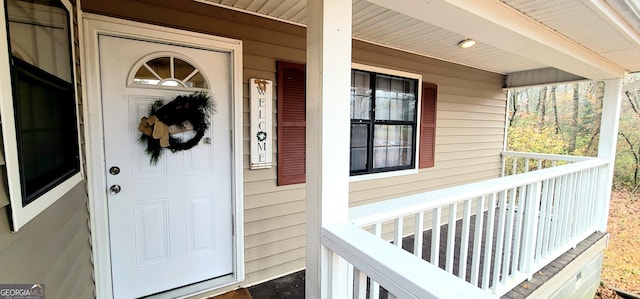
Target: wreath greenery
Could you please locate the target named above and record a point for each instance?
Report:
(185, 112)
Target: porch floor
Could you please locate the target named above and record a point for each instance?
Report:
(292, 286)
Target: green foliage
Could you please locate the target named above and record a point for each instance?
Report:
(565, 119)
(528, 138)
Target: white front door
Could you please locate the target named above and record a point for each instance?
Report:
(170, 225)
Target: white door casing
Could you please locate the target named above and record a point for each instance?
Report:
(171, 225)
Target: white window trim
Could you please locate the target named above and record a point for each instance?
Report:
(21, 215)
(395, 173)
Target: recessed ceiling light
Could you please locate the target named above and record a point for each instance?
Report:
(467, 43)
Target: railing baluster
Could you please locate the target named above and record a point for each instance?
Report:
(540, 164)
(451, 237)
(516, 261)
(574, 207)
(542, 215)
(397, 234)
(577, 205)
(584, 200)
(506, 261)
(464, 240)
(566, 221)
(530, 224)
(488, 246)
(500, 240)
(435, 236)
(592, 195)
(526, 164)
(477, 241)
(359, 284)
(551, 189)
(374, 287)
(558, 211)
(418, 234)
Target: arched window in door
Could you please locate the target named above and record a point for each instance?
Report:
(167, 70)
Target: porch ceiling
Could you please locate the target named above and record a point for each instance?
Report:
(595, 39)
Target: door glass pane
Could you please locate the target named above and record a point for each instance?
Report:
(161, 66)
(197, 81)
(145, 76)
(359, 137)
(182, 68)
(360, 95)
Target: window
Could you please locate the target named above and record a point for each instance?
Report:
(383, 122)
(44, 110)
(385, 128)
(167, 71)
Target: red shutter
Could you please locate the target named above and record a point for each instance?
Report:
(428, 125)
(291, 123)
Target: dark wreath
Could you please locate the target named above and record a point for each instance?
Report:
(185, 112)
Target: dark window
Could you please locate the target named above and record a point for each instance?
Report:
(383, 122)
(43, 95)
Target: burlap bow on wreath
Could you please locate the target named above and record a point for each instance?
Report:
(190, 112)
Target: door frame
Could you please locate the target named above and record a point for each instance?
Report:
(93, 26)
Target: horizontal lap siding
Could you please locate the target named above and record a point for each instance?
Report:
(468, 100)
(53, 249)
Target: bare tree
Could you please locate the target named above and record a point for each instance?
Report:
(598, 91)
(636, 157)
(573, 124)
(542, 107)
(554, 103)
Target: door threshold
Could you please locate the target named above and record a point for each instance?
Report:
(192, 290)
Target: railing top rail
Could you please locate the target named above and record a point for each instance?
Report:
(551, 157)
(398, 271)
(408, 205)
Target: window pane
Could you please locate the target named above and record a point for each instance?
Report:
(360, 95)
(395, 98)
(161, 66)
(182, 69)
(145, 76)
(392, 145)
(197, 81)
(39, 33)
(46, 130)
(359, 141)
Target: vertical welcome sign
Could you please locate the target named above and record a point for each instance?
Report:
(261, 96)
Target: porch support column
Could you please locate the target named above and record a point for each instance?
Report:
(607, 147)
(328, 135)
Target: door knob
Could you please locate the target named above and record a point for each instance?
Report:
(115, 189)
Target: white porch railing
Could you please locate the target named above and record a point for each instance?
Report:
(509, 229)
(521, 162)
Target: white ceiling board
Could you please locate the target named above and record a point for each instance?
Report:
(513, 35)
